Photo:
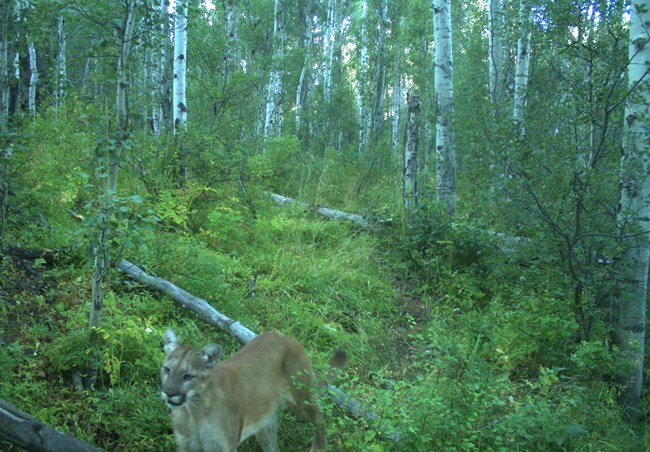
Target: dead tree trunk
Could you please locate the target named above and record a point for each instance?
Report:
(19, 428)
(323, 211)
(195, 304)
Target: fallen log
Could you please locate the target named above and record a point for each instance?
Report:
(22, 430)
(215, 318)
(195, 304)
(323, 211)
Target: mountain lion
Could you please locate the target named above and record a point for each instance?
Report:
(217, 405)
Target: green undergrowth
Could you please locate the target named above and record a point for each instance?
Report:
(452, 345)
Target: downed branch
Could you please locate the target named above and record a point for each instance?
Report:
(19, 428)
(203, 309)
(323, 211)
(195, 304)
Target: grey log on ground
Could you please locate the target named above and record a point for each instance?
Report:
(323, 211)
(195, 304)
(215, 318)
(22, 430)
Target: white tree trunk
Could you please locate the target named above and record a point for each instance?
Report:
(61, 65)
(273, 112)
(380, 74)
(444, 88)
(397, 94)
(231, 53)
(15, 101)
(303, 91)
(4, 65)
(328, 50)
(301, 83)
(521, 69)
(33, 78)
(179, 89)
(411, 151)
(495, 57)
(397, 105)
(154, 100)
(634, 211)
(361, 86)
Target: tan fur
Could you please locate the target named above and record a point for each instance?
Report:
(217, 405)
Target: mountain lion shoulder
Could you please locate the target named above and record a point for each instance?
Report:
(217, 405)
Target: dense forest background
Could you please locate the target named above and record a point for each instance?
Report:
(483, 258)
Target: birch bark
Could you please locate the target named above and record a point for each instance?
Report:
(521, 69)
(634, 212)
(361, 87)
(180, 67)
(397, 93)
(495, 57)
(444, 88)
(303, 89)
(61, 65)
(158, 66)
(411, 145)
(273, 112)
(380, 74)
(231, 53)
(328, 50)
(33, 78)
(4, 64)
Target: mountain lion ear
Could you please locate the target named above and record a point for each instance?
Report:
(211, 354)
(171, 342)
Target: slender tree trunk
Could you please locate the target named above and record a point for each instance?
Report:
(397, 93)
(397, 105)
(158, 65)
(180, 67)
(231, 52)
(179, 87)
(495, 57)
(5, 154)
(444, 88)
(165, 83)
(361, 87)
(328, 50)
(273, 112)
(585, 44)
(380, 74)
(5, 8)
(14, 83)
(61, 66)
(303, 91)
(33, 78)
(411, 154)
(106, 201)
(521, 69)
(629, 314)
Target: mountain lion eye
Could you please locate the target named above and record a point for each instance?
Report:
(166, 370)
(188, 377)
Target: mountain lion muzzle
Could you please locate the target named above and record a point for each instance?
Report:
(217, 405)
